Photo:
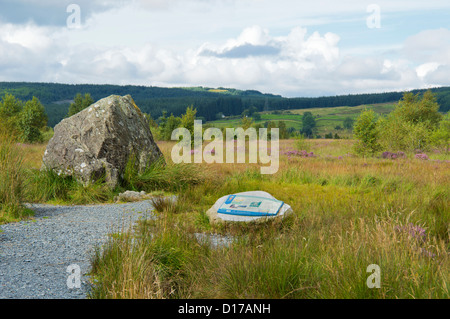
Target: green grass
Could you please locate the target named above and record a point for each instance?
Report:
(349, 213)
(162, 176)
(21, 180)
(12, 178)
(151, 267)
(47, 186)
(326, 118)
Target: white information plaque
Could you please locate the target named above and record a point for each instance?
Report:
(244, 205)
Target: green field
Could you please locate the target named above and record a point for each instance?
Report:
(349, 212)
(326, 118)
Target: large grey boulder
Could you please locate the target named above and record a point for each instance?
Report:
(100, 140)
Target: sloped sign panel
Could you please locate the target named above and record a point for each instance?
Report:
(244, 205)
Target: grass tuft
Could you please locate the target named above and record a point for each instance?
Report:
(160, 176)
(349, 213)
(48, 186)
(11, 179)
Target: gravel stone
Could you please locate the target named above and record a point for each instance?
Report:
(35, 254)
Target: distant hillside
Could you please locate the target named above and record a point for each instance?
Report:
(209, 102)
(54, 92)
(329, 120)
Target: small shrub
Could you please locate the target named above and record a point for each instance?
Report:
(411, 124)
(414, 231)
(302, 153)
(366, 133)
(301, 143)
(391, 155)
(348, 123)
(422, 156)
(440, 138)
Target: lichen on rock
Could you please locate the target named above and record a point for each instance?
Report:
(99, 141)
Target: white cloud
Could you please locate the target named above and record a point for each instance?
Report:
(429, 46)
(27, 36)
(173, 43)
(430, 50)
(254, 35)
(438, 76)
(299, 57)
(423, 69)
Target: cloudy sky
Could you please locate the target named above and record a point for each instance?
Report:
(287, 47)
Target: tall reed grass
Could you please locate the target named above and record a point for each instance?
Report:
(349, 213)
(163, 176)
(11, 179)
(153, 265)
(48, 186)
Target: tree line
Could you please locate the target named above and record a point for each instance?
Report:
(209, 103)
(415, 123)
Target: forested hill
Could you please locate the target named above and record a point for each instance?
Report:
(210, 103)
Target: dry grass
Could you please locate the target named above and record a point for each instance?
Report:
(34, 154)
(350, 212)
(11, 179)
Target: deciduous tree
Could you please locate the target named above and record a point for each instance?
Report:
(366, 133)
(80, 103)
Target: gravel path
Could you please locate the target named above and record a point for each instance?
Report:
(35, 254)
